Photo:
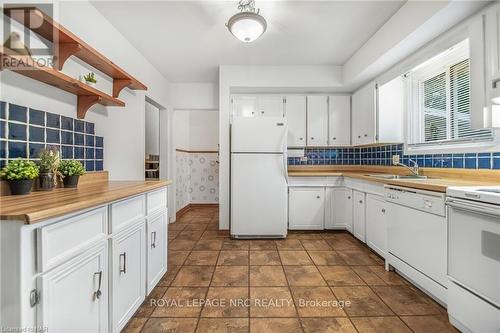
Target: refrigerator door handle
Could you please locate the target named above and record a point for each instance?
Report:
(285, 157)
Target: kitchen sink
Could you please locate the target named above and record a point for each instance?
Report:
(385, 176)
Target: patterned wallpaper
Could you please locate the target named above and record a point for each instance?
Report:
(197, 178)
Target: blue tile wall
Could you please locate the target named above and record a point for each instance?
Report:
(382, 155)
(24, 132)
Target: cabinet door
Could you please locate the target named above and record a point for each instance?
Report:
(156, 250)
(271, 106)
(295, 107)
(128, 270)
(317, 120)
(306, 208)
(363, 115)
(69, 298)
(339, 208)
(339, 115)
(359, 215)
(244, 106)
(376, 225)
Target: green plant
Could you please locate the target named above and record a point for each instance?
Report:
(20, 170)
(90, 77)
(71, 168)
(49, 160)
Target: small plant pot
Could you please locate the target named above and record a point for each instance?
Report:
(20, 187)
(71, 181)
(46, 181)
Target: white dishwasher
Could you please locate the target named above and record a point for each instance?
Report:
(416, 238)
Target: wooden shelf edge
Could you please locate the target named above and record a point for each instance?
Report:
(87, 96)
(65, 41)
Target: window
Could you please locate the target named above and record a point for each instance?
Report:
(438, 92)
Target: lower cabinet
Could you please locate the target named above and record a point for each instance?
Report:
(359, 216)
(306, 208)
(156, 249)
(338, 214)
(74, 295)
(376, 224)
(128, 271)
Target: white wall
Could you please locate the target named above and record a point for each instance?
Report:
(123, 128)
(152, 129)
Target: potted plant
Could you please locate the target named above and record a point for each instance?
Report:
(90, 79)
(49, 165)
(71, 171)
(20, 175)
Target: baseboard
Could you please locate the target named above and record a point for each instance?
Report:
(190, 206)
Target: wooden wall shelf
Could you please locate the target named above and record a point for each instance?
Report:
(67, 44)
(87, 96)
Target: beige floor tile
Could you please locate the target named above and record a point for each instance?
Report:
(316, 302)
(315, 245)
(357, 257)
(289, 244)
(267, 276)
(264, 257)
(368, 276)
(180, 302)
(208, 245)
(303, 276)
(193, 235)
(147, 307)
(233, 258)
(390, 278)
(177, 325)
(194, 276)
(327, 325)
(169, 276)
(205, 258)
(407, 300)
(177, 257)
(326, 258)
(196, 227)
(262, 245)
(226, 302)
(223, 325)
(176, 226)
(363, 301)
(271, 302)
(430, 324)
(304, 235)
(275, 325)
(231, 244)
(340, 276)
(380, 324)
(230, 276)
(135, 325)
(295, 258)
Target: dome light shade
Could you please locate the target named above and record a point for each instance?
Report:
(246, 26)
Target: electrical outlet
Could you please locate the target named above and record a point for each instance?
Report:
(395, 159)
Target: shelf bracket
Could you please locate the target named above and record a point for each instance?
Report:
(64, 51)
(84, 104)
(119, 84)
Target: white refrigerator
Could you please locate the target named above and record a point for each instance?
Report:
(259, 178)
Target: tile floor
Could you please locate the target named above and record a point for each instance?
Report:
(292, 285)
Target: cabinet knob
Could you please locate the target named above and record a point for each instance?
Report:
(349, 197)
(366, 135)
(301, 139)
(383, 210)
(360, 201)
(359, 136)
(318, 197)
(262, 112)
(334, 138)
(312, 137)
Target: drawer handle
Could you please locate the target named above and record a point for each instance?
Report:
(153, 240)
(98, 293)
(124, 269)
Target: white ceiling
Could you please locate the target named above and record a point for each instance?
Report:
(187, 40)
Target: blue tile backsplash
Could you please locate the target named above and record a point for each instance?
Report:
(382, 155)
(24, 132)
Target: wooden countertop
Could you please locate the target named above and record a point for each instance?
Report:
(39, 206)
(439, 181)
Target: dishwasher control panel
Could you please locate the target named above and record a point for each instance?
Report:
(427, 201)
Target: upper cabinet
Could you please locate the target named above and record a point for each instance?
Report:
(257, 105)
(295, 106)
(339, 114)
(317, 120)
(484, 38)
(363, 115)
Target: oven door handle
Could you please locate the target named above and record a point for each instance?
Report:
(467, 205)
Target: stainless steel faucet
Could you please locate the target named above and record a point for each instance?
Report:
(414, 169)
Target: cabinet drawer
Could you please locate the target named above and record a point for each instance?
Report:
(127, 211)
(157, 200)
(63, 240)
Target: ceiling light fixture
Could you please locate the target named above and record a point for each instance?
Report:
(248, 24)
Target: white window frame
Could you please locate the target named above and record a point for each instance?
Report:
(415, 127)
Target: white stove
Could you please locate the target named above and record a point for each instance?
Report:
(486, 194)
(474, 258)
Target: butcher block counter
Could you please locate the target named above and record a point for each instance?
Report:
(439, 179)
(40, 205)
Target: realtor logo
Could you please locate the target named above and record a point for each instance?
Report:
(27, 36)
